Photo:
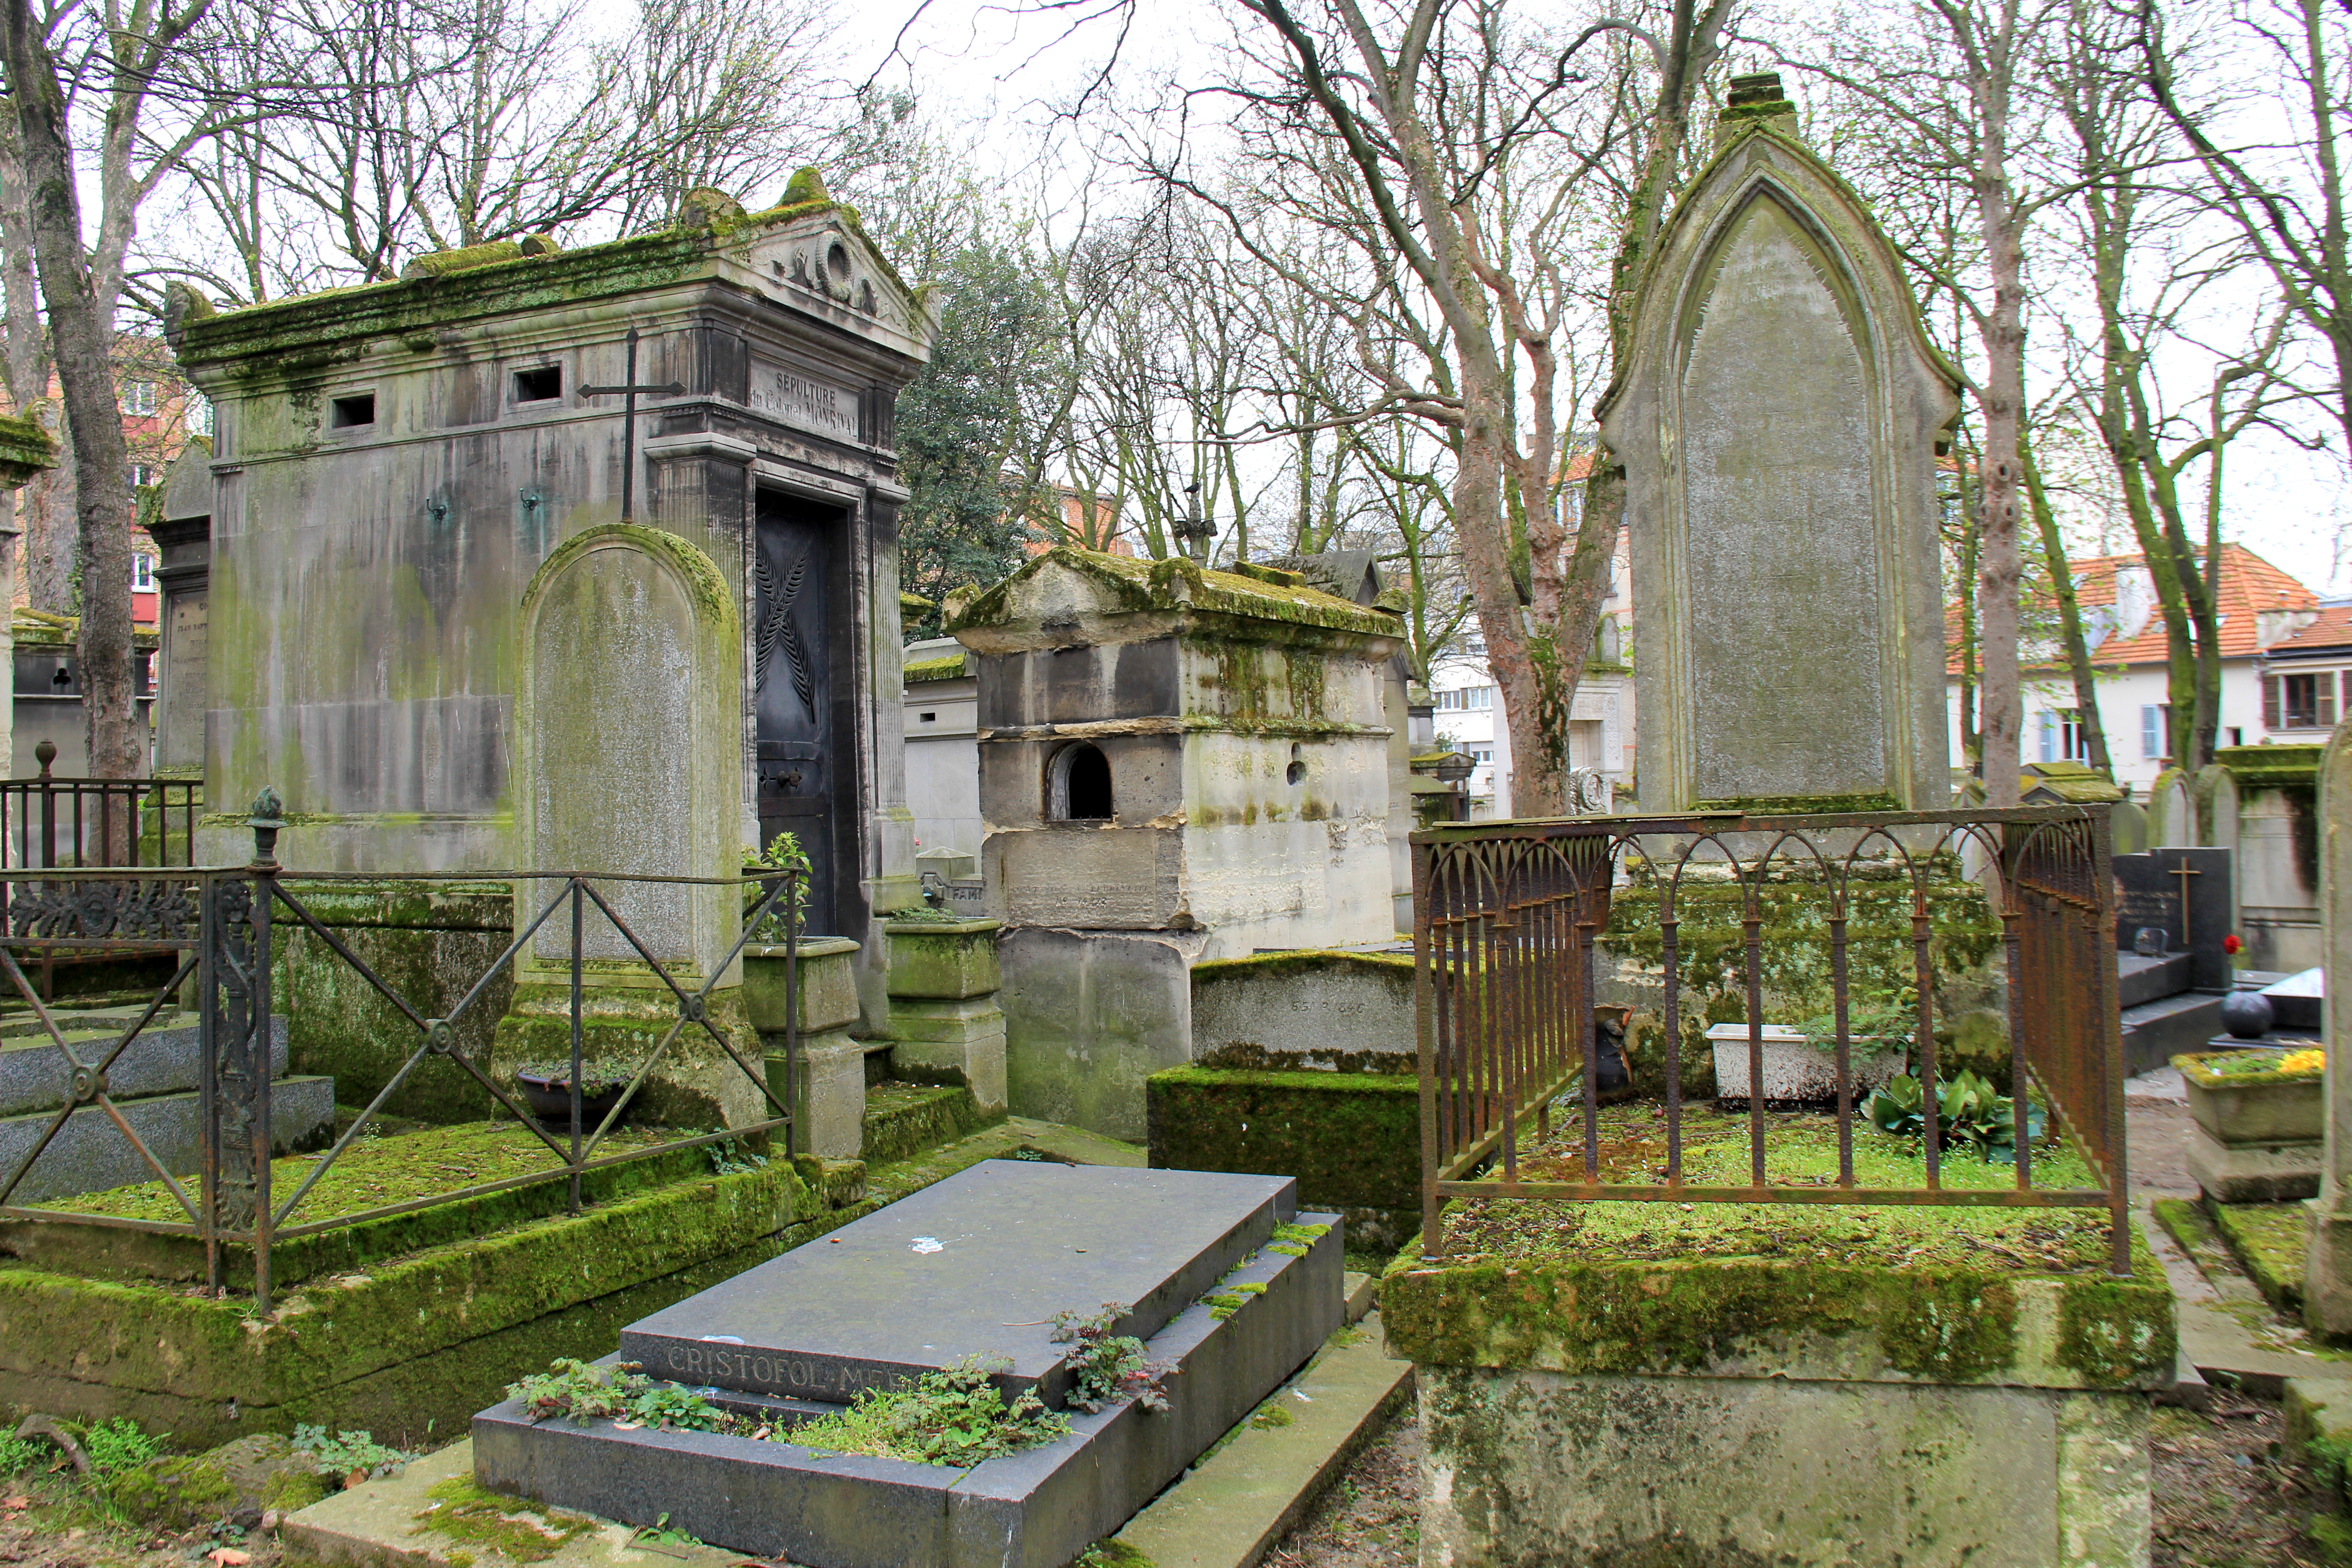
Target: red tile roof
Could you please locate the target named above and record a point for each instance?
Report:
(2331, 631)
(2249, 585)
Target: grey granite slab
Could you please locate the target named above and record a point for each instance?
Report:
(1039, 1509)
(162, 1059)
(89, 1153)
(975, 1265)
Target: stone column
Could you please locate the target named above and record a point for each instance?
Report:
(25, 450)
(943, 1014)
(2328, 1268)
(829, 1094)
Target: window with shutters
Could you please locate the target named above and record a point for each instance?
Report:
(2300, 701)
(2152, 726)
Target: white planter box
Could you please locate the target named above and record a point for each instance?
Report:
(1793, 1069)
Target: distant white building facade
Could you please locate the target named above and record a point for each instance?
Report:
(1469, 706)
(2263, 614)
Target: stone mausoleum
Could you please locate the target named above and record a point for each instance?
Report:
(397, 470)
(1176, 764)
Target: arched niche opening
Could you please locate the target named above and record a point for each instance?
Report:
(1078, 784)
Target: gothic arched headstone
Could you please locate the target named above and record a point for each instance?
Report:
(1778, 419)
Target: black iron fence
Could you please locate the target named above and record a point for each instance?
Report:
(1507, 916)
(48, 821)
(218, 923)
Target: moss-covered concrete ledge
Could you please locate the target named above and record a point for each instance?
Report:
(1734, 1316)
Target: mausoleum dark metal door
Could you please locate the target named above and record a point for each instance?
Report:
(792, 668)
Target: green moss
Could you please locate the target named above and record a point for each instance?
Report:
(515, 1527)
(375, 1171)
(2272, 767)
(1802, 805)
(1299, 961)
(1352, 1140)
(948, 667)
(2194, 1068)
(2270, 1241)
(904, 1119)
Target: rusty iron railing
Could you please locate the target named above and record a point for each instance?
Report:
(1506, 916)
(218, 923)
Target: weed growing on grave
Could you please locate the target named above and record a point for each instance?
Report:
(955, 1416)
(1292, 1240)
(1972, 1112)
(348, 1457)
(623, 1394)
(1110, 1367)
(117, 1445)
(730, 1157)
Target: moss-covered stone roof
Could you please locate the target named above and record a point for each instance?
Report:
(2257, 767)
(494, 279)
(1180, 582)
(949, 667)
(25, 450)
(40, 629)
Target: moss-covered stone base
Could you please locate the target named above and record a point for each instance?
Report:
(693, 1084)
(904, 1118)
(411, 1347)
(1542, 1470)
(1352, 1140)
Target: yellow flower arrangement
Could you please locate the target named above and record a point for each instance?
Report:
(2311, 1060)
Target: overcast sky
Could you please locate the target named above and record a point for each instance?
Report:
(976, 64)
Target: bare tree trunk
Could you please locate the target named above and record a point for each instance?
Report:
(51, 548)
(2070, 620)
(1999, 567)
(81, 329)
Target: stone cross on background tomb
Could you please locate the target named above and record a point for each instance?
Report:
(1779, 417)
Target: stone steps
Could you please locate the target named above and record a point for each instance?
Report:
(153, 1082)
(2155, 1032)
(89, 1153)
(35, 1075)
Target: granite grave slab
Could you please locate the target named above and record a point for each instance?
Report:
(1039, 1509)
(977, 1265)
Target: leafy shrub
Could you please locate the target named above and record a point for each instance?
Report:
(1970, 1111)
(955, 1416)
(117, 1445)
(784, 853)
(1110, 1367)
(1889, 1023)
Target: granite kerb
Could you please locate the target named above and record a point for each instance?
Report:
(1034, 1509)
(161, 1058)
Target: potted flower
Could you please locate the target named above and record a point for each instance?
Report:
(2261, 1118)
(826, 984)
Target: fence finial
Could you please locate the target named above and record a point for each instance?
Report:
(268, 816)
(45, 753)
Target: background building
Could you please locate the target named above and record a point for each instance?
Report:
(2263, 614)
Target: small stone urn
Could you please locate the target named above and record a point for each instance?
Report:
(943, 1014)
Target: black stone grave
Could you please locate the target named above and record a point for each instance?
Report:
(977, 1264)
(2185, 893)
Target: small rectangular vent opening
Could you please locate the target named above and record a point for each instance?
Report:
(539, 385)
(357, 409)
(929, 717)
